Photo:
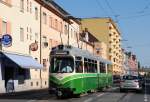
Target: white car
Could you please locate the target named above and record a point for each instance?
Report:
(130, 82)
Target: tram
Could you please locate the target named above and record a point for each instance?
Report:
(74, 71)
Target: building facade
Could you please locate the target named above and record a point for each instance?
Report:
(35, 26)
(20, 21)
(56, 28)
(106, 31)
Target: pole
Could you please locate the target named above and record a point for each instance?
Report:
(40, 42)
(0, 44)
(68, 34)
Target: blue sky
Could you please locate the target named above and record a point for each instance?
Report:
(132, 17)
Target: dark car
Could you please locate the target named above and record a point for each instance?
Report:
(116, 80)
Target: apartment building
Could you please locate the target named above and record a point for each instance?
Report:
(105, 30)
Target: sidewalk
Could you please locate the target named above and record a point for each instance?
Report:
(23, 93)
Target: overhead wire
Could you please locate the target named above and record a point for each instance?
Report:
(101, 7)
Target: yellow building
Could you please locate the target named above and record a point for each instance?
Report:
(105, 30)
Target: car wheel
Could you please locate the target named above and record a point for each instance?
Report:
(122, 90)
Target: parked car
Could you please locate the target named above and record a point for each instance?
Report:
(130, 82)
(116, 80)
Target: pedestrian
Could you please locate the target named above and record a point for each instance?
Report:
(10, 86)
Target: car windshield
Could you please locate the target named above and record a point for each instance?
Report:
(62, 65)
(130, 77)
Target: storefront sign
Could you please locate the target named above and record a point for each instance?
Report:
(34, 47)
(6, 40)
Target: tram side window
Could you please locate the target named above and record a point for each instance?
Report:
(62, 65)
(102, 67)
(90, 66)
(85, 67)
(95, 66)
(79, 67)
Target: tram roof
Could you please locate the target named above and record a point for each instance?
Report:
(80, 52)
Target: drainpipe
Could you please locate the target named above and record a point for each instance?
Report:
(41, 43)
(68, 34)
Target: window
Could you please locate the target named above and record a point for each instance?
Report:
(50, 21)
(102, 67)
(79, 65)
(44, 64)
(66, 32)
(71, 32)
(36, 13)
(61, 27)
(30, 34)
(62, 65)
(114, 59)
(56, 24)
(22, 5)
(36, 37)
(30, 7)
(4, 27)
(44, 17)
(21, 34)
(7, 2)
(27, 5)
(44, 39)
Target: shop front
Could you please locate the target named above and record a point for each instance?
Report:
(15, 68)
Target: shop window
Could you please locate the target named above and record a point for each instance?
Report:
(31, 83)
(37, 83)
(22, 75)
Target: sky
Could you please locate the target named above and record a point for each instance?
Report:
(131, 16)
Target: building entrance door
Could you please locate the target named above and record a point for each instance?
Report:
(9, 78)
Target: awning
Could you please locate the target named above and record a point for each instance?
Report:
(23, 61)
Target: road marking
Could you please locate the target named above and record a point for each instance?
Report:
(31, 100)
(145, 98)
(88, 100)
(99, 95)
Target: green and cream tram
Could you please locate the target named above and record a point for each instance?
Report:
(74, 71)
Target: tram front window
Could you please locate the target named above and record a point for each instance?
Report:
(62, 65)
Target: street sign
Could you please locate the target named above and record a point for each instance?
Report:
(33, 46)
(6, 40)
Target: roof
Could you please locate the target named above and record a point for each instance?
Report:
(80, 52)
(56, 9)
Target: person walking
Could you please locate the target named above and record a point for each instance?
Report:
(10, 86)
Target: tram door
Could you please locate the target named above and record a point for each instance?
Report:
(79, 70)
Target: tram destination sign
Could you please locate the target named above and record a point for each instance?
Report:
(6, 40)
(62, 53)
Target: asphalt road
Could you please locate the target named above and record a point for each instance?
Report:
(109, 95)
